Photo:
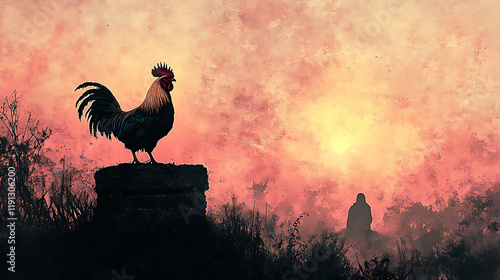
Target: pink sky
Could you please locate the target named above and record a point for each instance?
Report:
(396, 99)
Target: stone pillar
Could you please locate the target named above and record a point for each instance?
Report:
(143, 196)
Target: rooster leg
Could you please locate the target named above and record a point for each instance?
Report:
(135, 158)
(152, 158)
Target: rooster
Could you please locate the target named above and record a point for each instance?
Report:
(139, 129)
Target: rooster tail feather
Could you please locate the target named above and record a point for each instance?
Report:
(104, 112)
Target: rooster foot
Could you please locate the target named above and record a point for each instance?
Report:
(152, 161)
(135, 161)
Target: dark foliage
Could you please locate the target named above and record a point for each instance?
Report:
(46, 196)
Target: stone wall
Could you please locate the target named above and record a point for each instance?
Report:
(138, 196)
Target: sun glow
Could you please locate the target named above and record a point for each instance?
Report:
(340, 144)
(352, 133)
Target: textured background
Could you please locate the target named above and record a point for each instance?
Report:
(396, 99)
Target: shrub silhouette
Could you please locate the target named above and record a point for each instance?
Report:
(22, 146)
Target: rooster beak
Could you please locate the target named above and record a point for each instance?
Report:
(173, 80)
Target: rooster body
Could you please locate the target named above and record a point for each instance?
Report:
(139, 129)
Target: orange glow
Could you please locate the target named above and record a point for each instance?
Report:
(396, 99)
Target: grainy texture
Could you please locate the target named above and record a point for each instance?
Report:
(154, 196)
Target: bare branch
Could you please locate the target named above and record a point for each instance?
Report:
(27, 124)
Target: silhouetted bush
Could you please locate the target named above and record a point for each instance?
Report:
(58, 206)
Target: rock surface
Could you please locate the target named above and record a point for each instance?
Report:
(138, 196)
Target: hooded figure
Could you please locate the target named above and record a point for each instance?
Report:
(360, 215)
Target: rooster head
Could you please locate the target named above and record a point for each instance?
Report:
(166, 74)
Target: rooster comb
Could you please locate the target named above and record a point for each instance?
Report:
(161, 69)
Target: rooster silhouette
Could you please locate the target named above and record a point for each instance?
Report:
(139, 129)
